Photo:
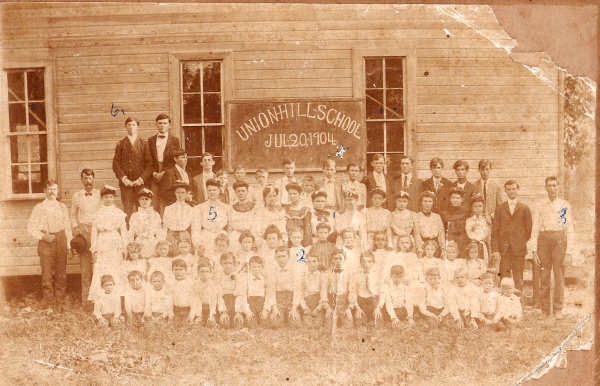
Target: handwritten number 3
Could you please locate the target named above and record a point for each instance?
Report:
(212, 214)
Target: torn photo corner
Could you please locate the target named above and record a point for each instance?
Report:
(403, 193)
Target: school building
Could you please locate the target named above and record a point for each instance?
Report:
(257, 83)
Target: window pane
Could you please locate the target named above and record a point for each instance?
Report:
(212, 108)
(374, 101)
(16, 117)
(213, 139)
(394, 101)
(190, 77)
(193, 140)
(373, 73)
(192, 109)
(38, 148)
(39, 175)
(37, 117)
(35, 85)
(20, 179)
(393, 72)
(395, 136)
(212, 76)
(16, 86)
(394, 162)
(18, 149)
(374, 137)
(218, 163)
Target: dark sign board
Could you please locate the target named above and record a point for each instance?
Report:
(263, 134)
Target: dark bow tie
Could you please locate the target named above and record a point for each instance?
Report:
(88, 194)
(162, 136)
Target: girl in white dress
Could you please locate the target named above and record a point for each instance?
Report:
(478, 227)
(145, 225)
(108, 238)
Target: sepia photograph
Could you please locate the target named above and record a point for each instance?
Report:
(297, 193)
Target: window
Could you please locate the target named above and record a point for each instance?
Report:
(202, 111)
(384, 106)
(28, 133)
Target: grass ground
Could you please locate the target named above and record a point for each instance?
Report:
(193, 355)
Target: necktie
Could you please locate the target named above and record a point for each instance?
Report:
(405, 183)
(484, 194)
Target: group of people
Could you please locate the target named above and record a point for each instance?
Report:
(352, 250)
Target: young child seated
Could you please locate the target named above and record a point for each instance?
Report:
(474, 264)
(413, 266)
(509, 309)
(338, 279)
(135, 298)
(247, 249)
(488, 301)
(452, 262)
(437, 308)
(297, 252)
(466, 297)
(365, 292)
(107, 306)
(162, 262)
(397, 298)
(184, 247)
(205, 295)
(181, 290)
(322, 248)
(310, 294)
(228, 286)
(159, 302)
(284, 279)
(134, 261)
(430, 260)
(221, 246)
(350, 251)
(272, 239)
(256, 293)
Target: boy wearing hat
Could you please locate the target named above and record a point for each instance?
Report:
(84, 205)
(173, 174)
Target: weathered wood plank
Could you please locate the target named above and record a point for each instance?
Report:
(515, 81)
(295, 83)
(258, 73)
(464, 98)
(516, 117)
(265, 93)
(487, 108)
(539, 90)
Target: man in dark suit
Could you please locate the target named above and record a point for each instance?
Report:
(511, 230)
(377, 179)
(132, 165)
(461, 169)
(436, 183)
(489, 190)
(162, 149)
(174, 175)
(408, 182)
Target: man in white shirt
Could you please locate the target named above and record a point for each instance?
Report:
(50, 225)
(553, 242)
(199, 181)
(84, 205)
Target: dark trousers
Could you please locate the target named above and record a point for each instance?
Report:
(53, 260)
(85, 263)
(552, 247)
(284, 304)
(156, 203)
(129, 199)
(368, 306)
(512, 265)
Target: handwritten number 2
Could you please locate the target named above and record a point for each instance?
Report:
(300, 255)
(212, 214)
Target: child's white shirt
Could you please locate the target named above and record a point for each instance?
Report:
(509, 307)
(107, 304)
(158, 302)
(135, 300)
(488, 302)
(181, 290)
(466, 298)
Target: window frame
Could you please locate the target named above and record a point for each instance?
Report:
(409, 90)
(6, 193)
(175, 91)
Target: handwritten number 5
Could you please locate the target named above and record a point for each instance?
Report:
(212, 214)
